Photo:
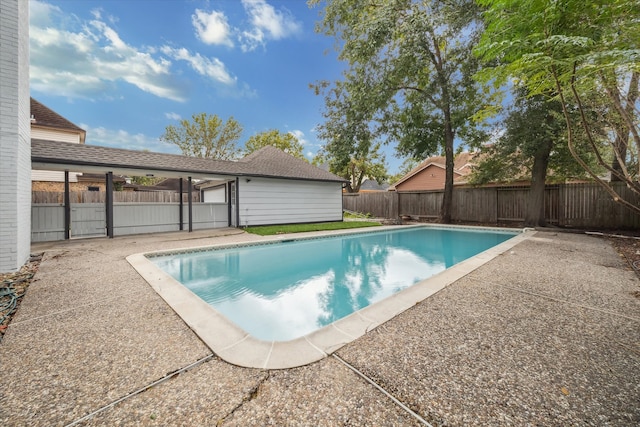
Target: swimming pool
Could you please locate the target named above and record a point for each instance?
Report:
(315, 294)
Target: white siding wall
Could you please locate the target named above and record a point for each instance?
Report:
(281, 201)
(53, 176)
(215, 194)
(15, 141)
(54, 135)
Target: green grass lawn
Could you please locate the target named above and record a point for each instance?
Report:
(269, 230)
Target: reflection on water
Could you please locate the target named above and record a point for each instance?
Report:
(286, 290)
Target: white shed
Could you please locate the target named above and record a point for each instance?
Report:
(283, 189)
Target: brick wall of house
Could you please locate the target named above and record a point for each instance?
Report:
(15, 139)
(431, 178)
(58, 187)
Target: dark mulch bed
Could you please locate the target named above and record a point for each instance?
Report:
(629, 249)
(13, 286)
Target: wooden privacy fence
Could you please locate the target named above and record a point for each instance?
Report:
(89, 220)
(566, 205)
(38, 197)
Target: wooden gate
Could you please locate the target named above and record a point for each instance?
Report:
(88, 220)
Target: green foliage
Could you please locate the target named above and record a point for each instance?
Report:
(587, 54)
(410, 75)
(287, 142)
(351, 150)
(531, 121)
(146, 180)
(269, 230)
(205, 136)
(356, 215)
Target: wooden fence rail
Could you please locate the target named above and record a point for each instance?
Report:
(38, 197)
(566, 205)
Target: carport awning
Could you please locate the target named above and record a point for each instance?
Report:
(266, 162)
(60, 156)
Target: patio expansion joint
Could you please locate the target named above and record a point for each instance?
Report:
(75, 307)
(562, 301)
(383, 391)
(251, 394)
(167, 377)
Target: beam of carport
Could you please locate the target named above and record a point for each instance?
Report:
(109, 204)
(67, 207)
(189, 190)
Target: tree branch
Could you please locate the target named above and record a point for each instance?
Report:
(616, 197)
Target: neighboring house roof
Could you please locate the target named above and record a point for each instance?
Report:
(96, 177)
(462, 166)
(43, 116)
(266, 162)
(372, 185)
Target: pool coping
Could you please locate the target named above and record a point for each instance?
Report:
(234, 345)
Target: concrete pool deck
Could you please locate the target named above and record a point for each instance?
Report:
(548, 333)
(234, 345)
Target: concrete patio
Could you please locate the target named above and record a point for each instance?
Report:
(547, 333)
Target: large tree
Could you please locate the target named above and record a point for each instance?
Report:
(410, 71)
(205, 136)
(351, 150)
(287, 142)
(533, 143)
(586, 55)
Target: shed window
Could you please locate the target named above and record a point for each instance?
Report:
(92, 188)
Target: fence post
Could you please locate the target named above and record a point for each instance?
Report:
(181, 207)
(67, 207)
(109, 204)
(190, 206)
(561, 207)
(394, 199)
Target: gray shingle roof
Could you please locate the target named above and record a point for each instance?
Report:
(44, 116)
(271, 161)
(268, 161)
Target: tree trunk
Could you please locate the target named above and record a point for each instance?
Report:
(534, 216)
(621, 142)
(447, 200)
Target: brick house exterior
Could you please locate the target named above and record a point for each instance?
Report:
(430, 174)
(15, 136)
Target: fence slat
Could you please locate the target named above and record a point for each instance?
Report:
(580, 205)
(38, 197)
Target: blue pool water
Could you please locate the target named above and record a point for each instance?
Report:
(281, 291)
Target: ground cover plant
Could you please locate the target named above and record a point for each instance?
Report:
(269, 230)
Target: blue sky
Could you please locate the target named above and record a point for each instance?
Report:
(125, 69)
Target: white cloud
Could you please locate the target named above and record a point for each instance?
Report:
(87, 59)
(40, 13)
(208, 67)
(267, 23)
(212, 28)
(173, 116)
(300, 136)
(118, 138)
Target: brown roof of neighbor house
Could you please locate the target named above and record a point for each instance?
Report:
(266, 162)
(462, 166)
(41, 115)
(97, 177)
